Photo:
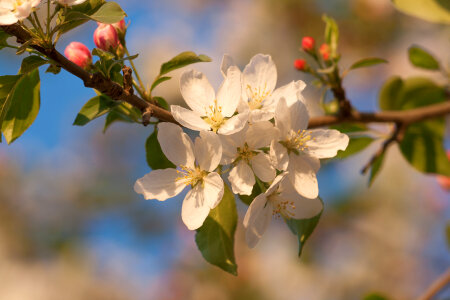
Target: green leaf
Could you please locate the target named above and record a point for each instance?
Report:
(303, 229)
(423, 146)
(350, 127)
(159, 81)
(331, 35)
(53, 69)
(94, 108)
(422, 59)
(215, 239)
(355, 145)
(87, 8)
(255, 192)
(413, 92)
(124, 112)
(375, 296)
(3, 37)
(375, 169)
(24, 102)
(108, 13)
(181, 60)
(7, 84)
(162, 102)
(155, 157)
(367, 62)
(31, 63)
(437, 11)
(114, 116)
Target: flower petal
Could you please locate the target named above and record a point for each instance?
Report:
(230, 143)
(234, 124)
(291, 92)
(276, 183)
(188, 118)
(159, 184)
(208, 150)
(260, 135)
(176, 145)
(257, 219)
(302, 171)
(279, 155)
(227, 61)
(196, 90)
(283, 118)
(262, 166)
(325, 143)
(260, 74)
(242, 179)
(213, 189)
(299, 116)
(303, 208)
(194, 209)
(229, 94)
(258, 115)
(6, 17)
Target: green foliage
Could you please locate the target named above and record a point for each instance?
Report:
(247, 199)
(181, 60)
(162, 102)
(375, 168)
(31, 63)
(7, 83)
(159, 81)
(375, 296)
(430, 10)
(355, 145)
(124, 112)
(303, 228)
(21, 105)
(94, 108)
(422, 59)
(423, 142)
(367, 62)
(155, 157)
(53, 69)
(331, 35)
(72, 20)
(108, 13)
(3, 37)
(215, 239)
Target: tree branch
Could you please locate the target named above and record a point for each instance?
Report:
(117, 92)
(440, 283)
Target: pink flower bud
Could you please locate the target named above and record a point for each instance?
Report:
(120, 27)
(325, 51)
(300, 64)
(105, 37)
(79, 54)
(444, 181)
(308, 43)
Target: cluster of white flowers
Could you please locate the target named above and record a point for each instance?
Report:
(251, 131)
(12, 11)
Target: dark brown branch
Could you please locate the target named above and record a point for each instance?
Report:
(117, 92)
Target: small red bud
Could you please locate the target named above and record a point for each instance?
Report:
(79, 54)
(324, 50)
(308, 43)
(300, 64)
(444, 181)
(105, 37)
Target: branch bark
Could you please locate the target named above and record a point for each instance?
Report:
(117, 92)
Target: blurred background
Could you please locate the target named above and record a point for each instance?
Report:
(71, 226)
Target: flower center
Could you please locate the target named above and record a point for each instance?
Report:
(214, 116)
(281, 207)
(191, 176)
(257, 96)
(245, 153)
(297, 141)
(17, 4)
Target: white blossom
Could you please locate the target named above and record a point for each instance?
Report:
(71, 2)
(280, 199)
(208, 110)
(242, 151)
(12, 11)
(196, 163)
(298, 149)
(259, 95)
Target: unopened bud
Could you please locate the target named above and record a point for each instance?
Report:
(324, 50)
(106, 38)
(79, 54)
(308, 44)
(120, 51)
(120, 27)
(300, 64)
(444, 181)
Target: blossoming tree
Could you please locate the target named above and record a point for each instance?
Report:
(253, 139)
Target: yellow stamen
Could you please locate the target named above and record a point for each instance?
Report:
(246, 153)
(257, 96)
(191, 176)
(214, 116)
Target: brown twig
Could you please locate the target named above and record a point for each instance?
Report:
(437, 286)
(127, 80)
(117, 92)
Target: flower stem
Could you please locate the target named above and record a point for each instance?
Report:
(141, 88)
